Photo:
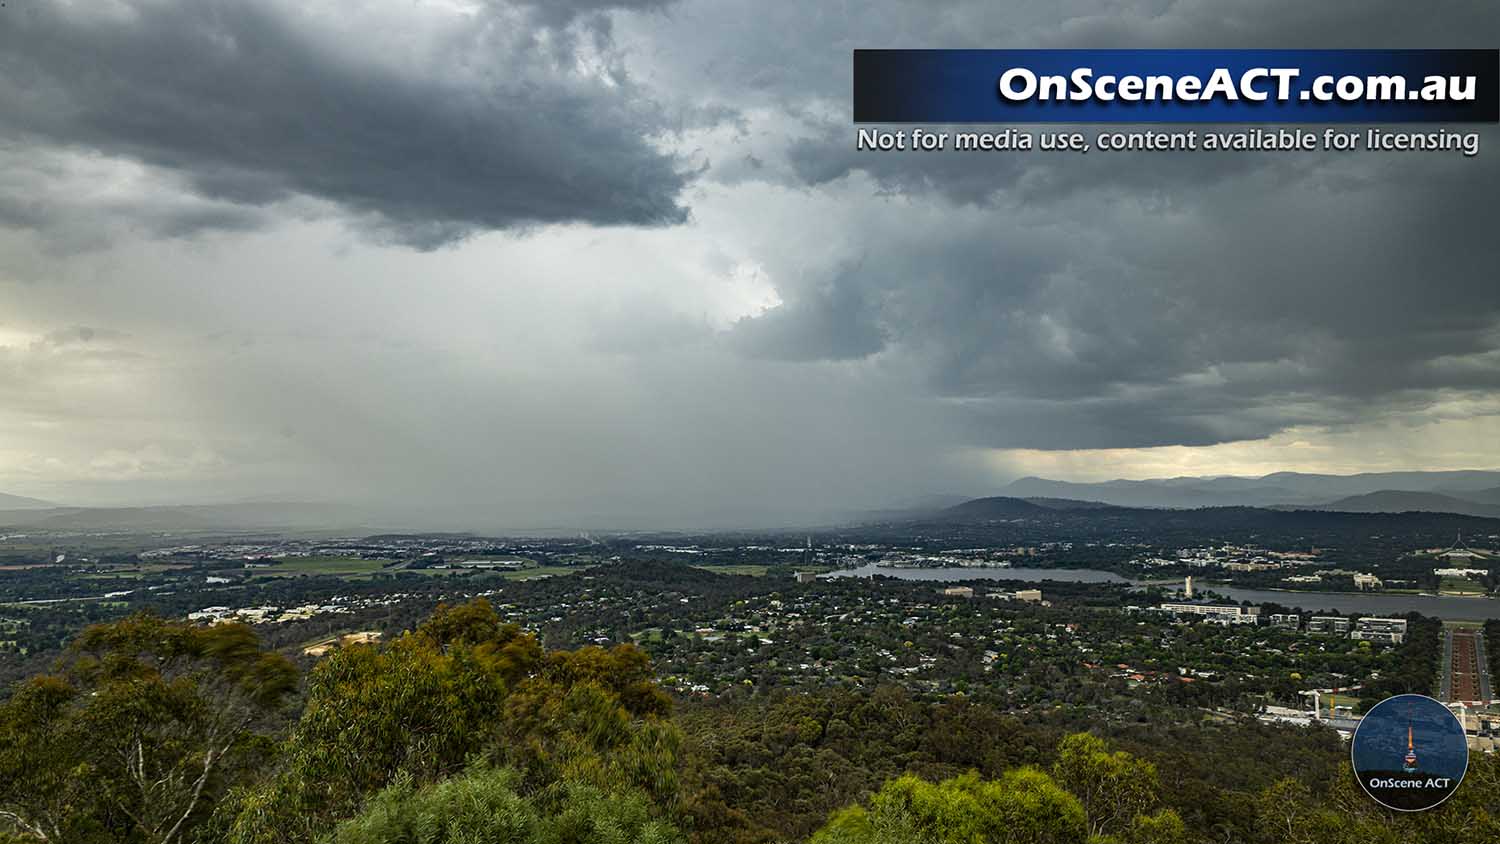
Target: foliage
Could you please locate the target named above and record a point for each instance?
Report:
(1115, 788)
(593, 715)
(145, 724)
(466, 729)
(43, 768)
(1024, 806)
(462, 687)
(483, 806)
(1094, 793)
(1164, 827)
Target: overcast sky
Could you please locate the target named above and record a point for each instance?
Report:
(538, 262)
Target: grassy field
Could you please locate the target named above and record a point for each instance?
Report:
(135, 571)
(649, 636)
(750, 569)
(331, 566)
(1339, 700)
(541, 571)
(756, 570)
(354, 568)
(1459, 586)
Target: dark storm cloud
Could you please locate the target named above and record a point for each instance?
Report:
(251, 103)
(1124, 299)
(1191, 313)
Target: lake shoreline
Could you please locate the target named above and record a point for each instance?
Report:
(1448, 607)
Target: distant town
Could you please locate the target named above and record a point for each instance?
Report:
(1260, 628)
(925, 606)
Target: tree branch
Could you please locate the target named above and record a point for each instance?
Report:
(209, 759)
(33, 828)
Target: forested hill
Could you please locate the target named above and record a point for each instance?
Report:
(1088, 516)
(1396, 501)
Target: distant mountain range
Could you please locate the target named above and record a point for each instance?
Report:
(1397, 501)
(18, 502)
(1468, 492)
(185, 518)
(1003, 513)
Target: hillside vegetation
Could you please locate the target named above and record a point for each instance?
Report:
(465, 729)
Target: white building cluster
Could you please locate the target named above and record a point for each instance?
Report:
(266, 614)
(1391, 631)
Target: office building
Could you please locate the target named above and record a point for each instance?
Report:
(1387, 630)
(1335, 624)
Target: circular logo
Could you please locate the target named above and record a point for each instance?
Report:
(1409, 753)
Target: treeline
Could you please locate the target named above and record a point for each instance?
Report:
(154, 731)
(466, 730)
(39, 632)
(764, 771)
(1492, 646)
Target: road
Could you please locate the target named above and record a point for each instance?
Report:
(1466, 677)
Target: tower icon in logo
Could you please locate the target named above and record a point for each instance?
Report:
(1409, 764)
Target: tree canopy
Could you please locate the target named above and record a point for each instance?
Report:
(145, 724)
(486, 806)
(466, 729)
(461, 688)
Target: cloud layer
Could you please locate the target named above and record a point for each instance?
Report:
(547, 263)
(427, 123)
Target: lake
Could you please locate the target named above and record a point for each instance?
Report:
(1449, 607)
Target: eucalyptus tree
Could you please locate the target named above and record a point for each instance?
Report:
(144, 724)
